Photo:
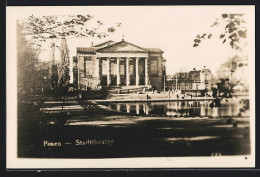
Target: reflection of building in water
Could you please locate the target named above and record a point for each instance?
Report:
(172, 109)
(137, 108)
(190, 82)
(202, 109)
(226, 109)
(185, 108)
(119, 64)
(127, 108)
(118, 107)
(214, 112)
(194, 109)
(147, 109)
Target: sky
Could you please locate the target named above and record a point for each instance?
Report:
(170, 28)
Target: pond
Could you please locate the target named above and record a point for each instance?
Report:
(228, 108)
(148, 129)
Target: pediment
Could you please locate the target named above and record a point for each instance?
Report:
(122, 46)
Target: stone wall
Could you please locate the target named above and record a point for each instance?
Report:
(156, 78)
(89, 77)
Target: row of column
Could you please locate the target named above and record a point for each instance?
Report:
(146, 108)
(127, 71)
(179, 110)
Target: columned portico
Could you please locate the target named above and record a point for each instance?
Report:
(127, 67)
(127, 71)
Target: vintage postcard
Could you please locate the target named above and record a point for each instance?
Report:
(130, 86)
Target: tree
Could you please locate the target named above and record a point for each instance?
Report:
(233, 31)
(44, 75)
(27, 62)
(223, 89)
(42, 29)
(49, 27)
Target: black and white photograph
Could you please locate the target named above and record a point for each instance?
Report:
(130, 86)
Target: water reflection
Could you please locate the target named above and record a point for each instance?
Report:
(185, 108)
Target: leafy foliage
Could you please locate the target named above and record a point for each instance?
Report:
(47, 27)
(41, 29)
(224, 89)
(26, 60)
(234, 31)
(31, 73)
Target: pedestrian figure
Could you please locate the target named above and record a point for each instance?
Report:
(147, 97)
(177, 96)
(191, 96)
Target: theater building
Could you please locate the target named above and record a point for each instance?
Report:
(118, 64)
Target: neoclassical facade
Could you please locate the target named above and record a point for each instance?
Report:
(118, 64)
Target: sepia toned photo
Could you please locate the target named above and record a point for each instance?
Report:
(130, 87)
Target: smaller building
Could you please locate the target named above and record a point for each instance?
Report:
(236, 70)
(194, 81)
